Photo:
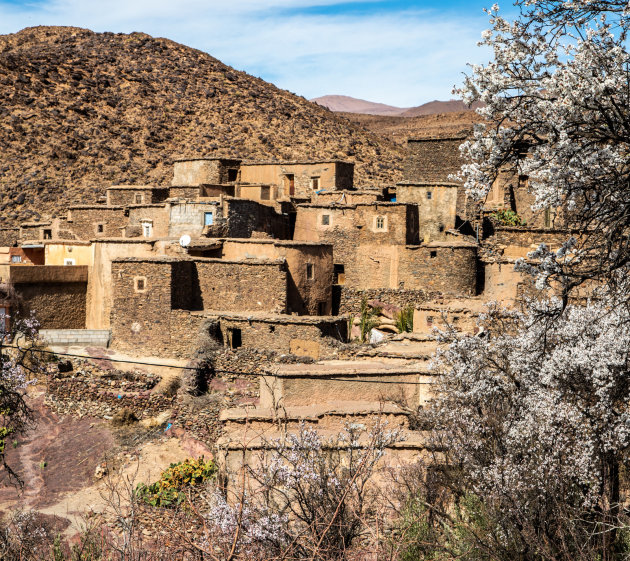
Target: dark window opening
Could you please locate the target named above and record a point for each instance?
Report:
(441, 227)
(429, 320)
(325, 219)
(265, 193)
(309, 271)
(272, 329)
(99, 228)
(433, 254)
(291, 183)
(47, 234)
(315, 183)
(140, 284)
(234, 338)
(429, 195)
(232, 175)
(339, 274)
(321, 308)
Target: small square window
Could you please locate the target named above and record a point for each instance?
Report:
(69, 262)
(16, 258)
(429, 195)
(47, 234)
(138, 198)
(433, 254)
(140, 284)
(380, 223)
(99, 228)
(309, 271)
(325, 219)
(315, 183)
(265, 193)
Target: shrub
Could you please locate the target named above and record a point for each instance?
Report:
(169, 489)
(508, 217)
(404, 320)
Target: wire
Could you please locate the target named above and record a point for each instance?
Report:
(236, 372)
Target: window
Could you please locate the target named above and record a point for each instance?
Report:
(325, 219)
(315, 183)
(429, 195)
(380, 222)
(208, 218)
(69, 261)
(234, 338)
(139, 198)
(433, 254)
(429, 320)
(140, 284)
(547, 218)
(309, 271)
(232, 175)
(47, 234)
(100, 228)
(147, 229)
(16, 258)
(339, 274)
(265, 193)
(441, 228)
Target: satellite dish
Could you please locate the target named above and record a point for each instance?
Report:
(184, 241)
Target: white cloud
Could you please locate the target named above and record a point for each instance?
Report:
(400, 58)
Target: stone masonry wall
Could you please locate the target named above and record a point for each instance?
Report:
(9, 236)
(127, 196)
(83, 221)
(348, 299)
(245, 218)
(433, 159)
(56, 305)
(157, 214)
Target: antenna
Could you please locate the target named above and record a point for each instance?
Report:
(184, 241)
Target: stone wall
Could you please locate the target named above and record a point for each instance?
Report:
(515, 242)
(188, 193)
(433, 159)
(57, 305)
(157, 215)
(348, 300)
(9, 236)
(188, 173)
(83, 221)
(246, 219)
(450, 269)
(134, 195)
(349, 197)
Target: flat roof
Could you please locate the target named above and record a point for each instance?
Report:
(208, 159)
(438, 138)
(134, 187)
(352, 205)
(96, 206)
(188, 259)
(29, 224)
(293, 162)
(428, 184)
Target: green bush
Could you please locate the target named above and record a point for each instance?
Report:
(508, 217)
(169, 489)
(404, 320)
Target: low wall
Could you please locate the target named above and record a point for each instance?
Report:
(348, 300)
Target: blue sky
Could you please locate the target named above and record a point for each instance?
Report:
(400, 52)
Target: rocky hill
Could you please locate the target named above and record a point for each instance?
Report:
(81, 110)
(347, 104)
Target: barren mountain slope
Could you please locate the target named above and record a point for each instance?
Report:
(399, 129)
(80, 110)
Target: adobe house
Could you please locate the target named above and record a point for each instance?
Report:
(194, 172)
(123, 195)
(299, 179)
(309, 266)
(96, 221)
(437, 206)
(346, 197)
(57, 294)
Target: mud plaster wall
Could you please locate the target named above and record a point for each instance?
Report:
(348, 197)
(158, 215)
(82, 222)
(435, 214)
(189, 218)
(462, 320)
(56, 305)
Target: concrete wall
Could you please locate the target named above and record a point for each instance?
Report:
(437, 207)
(188, 218)
(331, 176)
(197, 172)
(83, 220)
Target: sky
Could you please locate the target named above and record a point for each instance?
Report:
(399, 52)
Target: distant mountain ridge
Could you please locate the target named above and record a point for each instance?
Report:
(347, 104)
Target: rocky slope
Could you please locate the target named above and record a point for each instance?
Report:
(347, 104)
(81, 110)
